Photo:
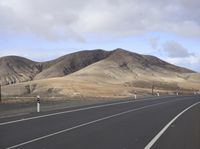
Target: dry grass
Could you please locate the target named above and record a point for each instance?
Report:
(106, 83)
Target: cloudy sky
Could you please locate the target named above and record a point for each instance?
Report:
(45, 29)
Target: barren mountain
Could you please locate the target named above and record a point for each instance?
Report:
(14, 69)
(98, 73)
(124, 66)
(131, 70)
(70, 63)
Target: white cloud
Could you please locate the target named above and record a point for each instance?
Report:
(174, 49)
(67, 19)
(76, 19)
(179, 55)
(191, 62)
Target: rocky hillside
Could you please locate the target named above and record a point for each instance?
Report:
(70, 63)
(14, 69)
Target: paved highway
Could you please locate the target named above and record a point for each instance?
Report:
(160, 123)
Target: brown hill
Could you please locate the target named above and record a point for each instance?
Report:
(135, 70)
(132, 60)
(108, 74)
(125, 66)
(70, 63)
(14, 69)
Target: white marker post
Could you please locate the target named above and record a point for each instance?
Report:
(38, 103)
(135, 95)
(158, 94)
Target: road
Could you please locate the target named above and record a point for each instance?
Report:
(131, 124)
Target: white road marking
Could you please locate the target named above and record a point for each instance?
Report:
(63, 112)
(88, 123)
(153, 141)
(75, 110)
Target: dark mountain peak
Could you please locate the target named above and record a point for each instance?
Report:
(122, 56)
(121, 51)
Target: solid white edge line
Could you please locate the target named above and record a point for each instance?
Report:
(153, 141)
(63, 112)
(75, 110)
(88, 123)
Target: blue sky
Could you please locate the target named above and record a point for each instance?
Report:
(45, 29)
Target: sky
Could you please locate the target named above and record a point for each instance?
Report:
(46, 29)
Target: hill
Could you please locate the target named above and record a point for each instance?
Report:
(15, 69)
(70, 63)
(98, 73)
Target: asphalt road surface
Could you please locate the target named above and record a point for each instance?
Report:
(157, 123)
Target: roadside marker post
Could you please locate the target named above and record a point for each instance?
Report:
(38, 103)
(135, 95)
(0, 94)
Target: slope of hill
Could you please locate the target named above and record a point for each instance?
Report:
(14, 69)
(139, 71)
(124, 66)
(70, 63)
(107, 74)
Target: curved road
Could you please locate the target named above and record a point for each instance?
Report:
(130, 124)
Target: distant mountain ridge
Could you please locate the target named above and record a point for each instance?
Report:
(15, 69)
